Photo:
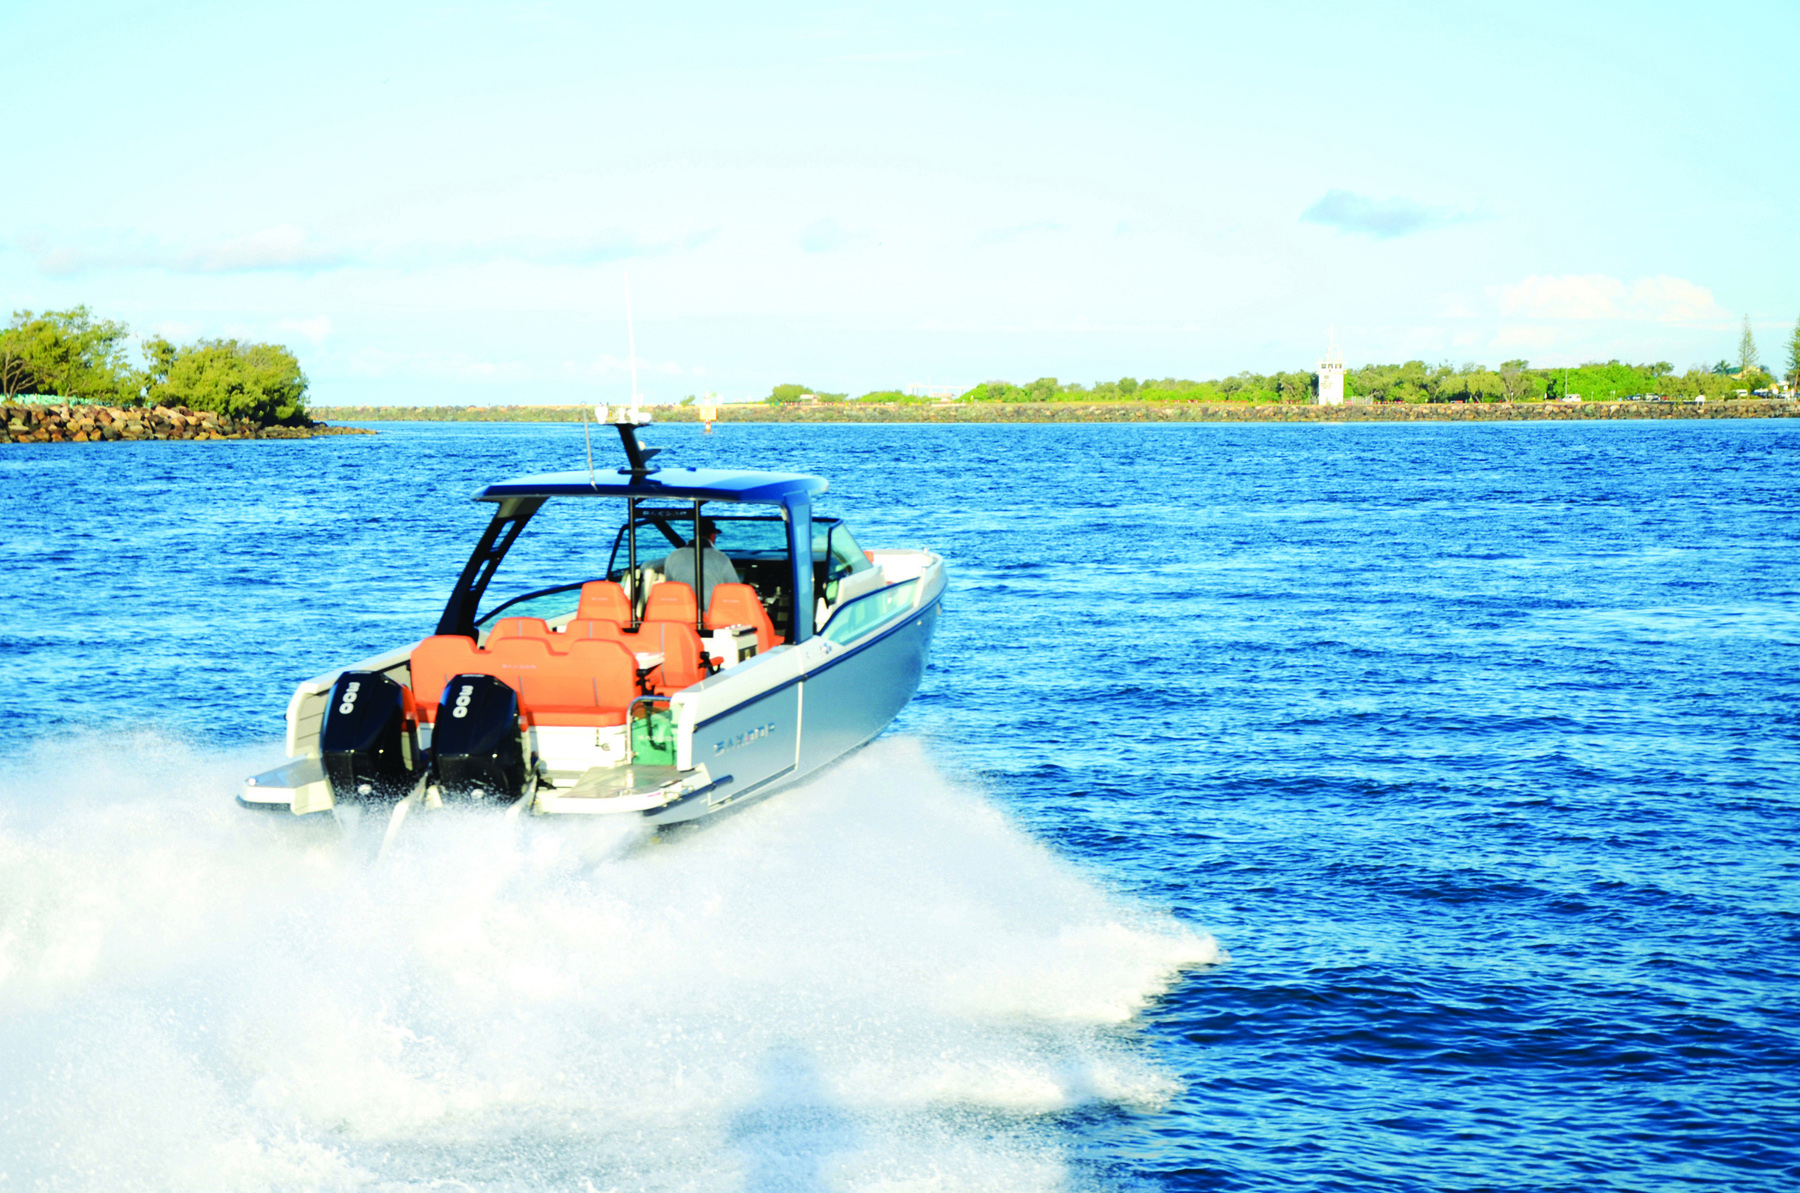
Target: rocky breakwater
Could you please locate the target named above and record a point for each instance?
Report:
(95, 424)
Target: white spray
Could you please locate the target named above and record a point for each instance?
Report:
(874, 981)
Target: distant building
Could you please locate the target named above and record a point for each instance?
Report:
(1331, 376)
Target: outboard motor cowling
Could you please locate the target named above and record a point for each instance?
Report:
(366, 743)
(477, 749)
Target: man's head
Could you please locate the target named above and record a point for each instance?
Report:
(709, 531)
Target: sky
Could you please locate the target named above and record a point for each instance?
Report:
(449, 204)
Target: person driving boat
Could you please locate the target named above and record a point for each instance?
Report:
(716, 566)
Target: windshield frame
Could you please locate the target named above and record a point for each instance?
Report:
(512, 514)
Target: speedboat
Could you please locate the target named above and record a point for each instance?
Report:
(559, 684)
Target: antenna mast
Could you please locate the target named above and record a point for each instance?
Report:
(631, 347)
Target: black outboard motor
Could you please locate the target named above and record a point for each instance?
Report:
(367, 746)
(476, 746)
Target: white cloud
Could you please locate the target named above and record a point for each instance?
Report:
(1382, 219)
(1016, 231)
(606, 363)
(823, 236)
(889, 56)
(1527, 337)
(453, 366)
(289, 248)
(583, 249)
(314, 329)
(1659, 299)
(281, 248)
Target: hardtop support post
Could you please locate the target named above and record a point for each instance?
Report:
(800, 561)
(699, 574)
(510, 516)
(631, 556)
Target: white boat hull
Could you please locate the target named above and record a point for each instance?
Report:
(742, 734)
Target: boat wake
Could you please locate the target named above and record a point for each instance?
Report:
(872, 981)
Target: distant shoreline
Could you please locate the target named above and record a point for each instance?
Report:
(1084, 412)
(32, 423)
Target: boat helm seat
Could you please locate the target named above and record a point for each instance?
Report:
(605, 600)
(737, 604)
(672, 600)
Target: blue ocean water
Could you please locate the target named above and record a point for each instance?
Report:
(1474, 749)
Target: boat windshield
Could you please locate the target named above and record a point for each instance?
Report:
(565, 545)
(569, 543)
(832, 540)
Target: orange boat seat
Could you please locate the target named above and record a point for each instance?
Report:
(672, 600)
(604, 600)
(522, 627)
(593, 627)
(512, 659)
(736, 604)
(435, 661)
(684, 654)
(593, 684)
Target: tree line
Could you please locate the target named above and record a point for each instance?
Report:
(1412, 381)
(73, 355)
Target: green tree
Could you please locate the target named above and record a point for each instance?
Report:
(262, 382)
(1514, 380)
(1747, 358)
(70, 354)
(1296, 387)
(786, 393)
(159, 358)
(1793, 369)
(16, 376)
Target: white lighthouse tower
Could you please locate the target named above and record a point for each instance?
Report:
(1331, 375)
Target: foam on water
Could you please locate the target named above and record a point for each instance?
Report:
(875, 981)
